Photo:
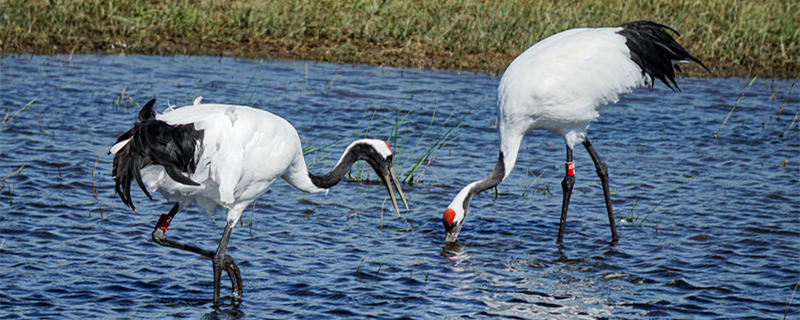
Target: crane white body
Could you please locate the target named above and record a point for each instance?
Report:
(244, 151)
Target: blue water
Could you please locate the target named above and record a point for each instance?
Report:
(715, 230)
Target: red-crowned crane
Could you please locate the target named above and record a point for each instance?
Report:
(560, 84)
(224, 157)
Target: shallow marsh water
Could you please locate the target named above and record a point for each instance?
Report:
(721, 237)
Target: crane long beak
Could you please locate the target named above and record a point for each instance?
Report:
(450, 237)
(388, 182)
(393, 175)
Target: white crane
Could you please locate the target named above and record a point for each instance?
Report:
(560, 84)
(224, 157)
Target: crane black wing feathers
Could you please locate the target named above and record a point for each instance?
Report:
(653, 49)
(154, 142)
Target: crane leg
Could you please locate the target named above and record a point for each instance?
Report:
(602, 172)
(227, 263)
(566, 186)
(219, 262)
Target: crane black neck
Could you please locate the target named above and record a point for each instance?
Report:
(493, 179)
(360, 151)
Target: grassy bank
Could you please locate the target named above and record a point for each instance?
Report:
(734, 38)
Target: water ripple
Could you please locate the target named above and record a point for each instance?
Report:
(713, 233)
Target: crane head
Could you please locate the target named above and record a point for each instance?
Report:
(379, 155)
(456, 213)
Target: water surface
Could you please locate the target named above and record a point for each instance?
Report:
(715, 230)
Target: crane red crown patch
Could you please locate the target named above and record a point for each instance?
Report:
(388, 147)
(449, 215)
(570, 168)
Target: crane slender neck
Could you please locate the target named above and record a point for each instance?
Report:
(337, 173)
(493, 179)
(510, 140)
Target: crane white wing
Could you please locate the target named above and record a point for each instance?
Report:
(562, 82)
(244, 150)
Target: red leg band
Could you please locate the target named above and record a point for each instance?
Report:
(570, 168)
(163, 222)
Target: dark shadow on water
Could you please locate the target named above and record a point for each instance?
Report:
(454, 253)
(450, 248)
(234, 313)
(227, 311)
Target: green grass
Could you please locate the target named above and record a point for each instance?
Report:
(783, 107)
(5, 183)
(638, 219)
(529, 185)
(741, 96)
(417, 158)
(9, 116)
(741, 38)
(414, 149)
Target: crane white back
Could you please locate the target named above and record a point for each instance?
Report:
(560, 84)
(231, 162)
(219, 156)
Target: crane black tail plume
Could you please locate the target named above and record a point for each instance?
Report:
(654, 50)
(154, 141)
